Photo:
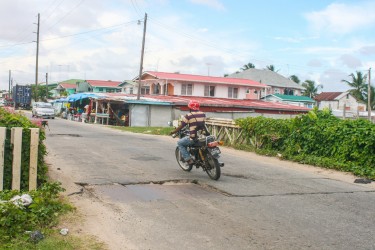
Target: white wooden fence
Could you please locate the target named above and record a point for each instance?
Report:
(16, 142)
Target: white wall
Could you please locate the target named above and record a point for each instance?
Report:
(350, 103)
(221, 91)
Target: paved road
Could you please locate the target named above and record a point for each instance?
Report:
(259, 202)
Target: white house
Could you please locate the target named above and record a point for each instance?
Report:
(342, 101)
(277, 84)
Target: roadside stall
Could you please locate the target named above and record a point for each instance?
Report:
(110, 111)
(78, 106)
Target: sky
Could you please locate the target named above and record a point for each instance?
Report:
(321, 40)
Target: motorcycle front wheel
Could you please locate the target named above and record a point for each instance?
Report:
(212, 167)
(181, 162)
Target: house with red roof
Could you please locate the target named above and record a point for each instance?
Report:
(339, 101)
(176, 84)
(98, 86)
(69, 88)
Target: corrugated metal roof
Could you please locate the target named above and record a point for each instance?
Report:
(67, 85)
(100, 83)
(203, 79)
(268, 77)
(205, 101)
(294, 98)
(327, 96)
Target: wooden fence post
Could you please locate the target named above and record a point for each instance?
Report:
(16, 140)
(34, 143)
(3, 132)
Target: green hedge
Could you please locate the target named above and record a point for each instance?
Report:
(316, 138)
(9, 120)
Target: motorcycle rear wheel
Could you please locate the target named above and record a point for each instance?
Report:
(186, 167)
(212, 167)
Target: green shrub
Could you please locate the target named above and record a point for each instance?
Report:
(9, 120)
(317, 138)
(43, 211)
(265, 133)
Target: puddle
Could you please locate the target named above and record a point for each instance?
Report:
(153, 192)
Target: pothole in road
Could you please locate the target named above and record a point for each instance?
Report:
(146, 158)
(71, 135)
(153, 191)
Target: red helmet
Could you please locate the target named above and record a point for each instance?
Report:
(194, 105)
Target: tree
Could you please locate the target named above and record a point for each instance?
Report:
(40, 92)
(295, 79)
(248, 66)
(311, 90)
(358, 85)
(372, 97)
(272, 68)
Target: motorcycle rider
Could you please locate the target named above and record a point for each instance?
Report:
(196, 121)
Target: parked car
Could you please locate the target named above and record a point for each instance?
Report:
(43, 110)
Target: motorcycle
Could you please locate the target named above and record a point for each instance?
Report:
(205, 154)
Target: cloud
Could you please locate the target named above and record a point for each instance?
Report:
(343, 18)
(314, 63)
(331, 80)
(215, 4)
(294, 39)
(350, 61)
(367, 50)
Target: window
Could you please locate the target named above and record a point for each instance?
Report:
(276, 91)
(156, 89)
(288, 91)
(209, 90)
(232, 92)
(187, 89)
(131, 90)
(145, 90)
(100, 89)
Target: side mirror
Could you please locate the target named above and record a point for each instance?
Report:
(170, 124)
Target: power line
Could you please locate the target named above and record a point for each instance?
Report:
(75, 34)
(135, 6)
(53, 10)
(68, 13)
(234, 51)
(45, 10)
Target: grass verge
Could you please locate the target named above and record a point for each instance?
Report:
(146, 130)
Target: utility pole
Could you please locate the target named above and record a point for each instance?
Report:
(143, 51)
(37, 57)
(46, 86)
(369, 95)
(10, 77)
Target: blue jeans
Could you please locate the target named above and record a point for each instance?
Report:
(182, 144)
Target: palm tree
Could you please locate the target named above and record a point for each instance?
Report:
(311, 89)
(295, 79)
(272, 68)
(358, 85)
(372, 97)
(248, 66)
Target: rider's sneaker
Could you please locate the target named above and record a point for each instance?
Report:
(190, 162)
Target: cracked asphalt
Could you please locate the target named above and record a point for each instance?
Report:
(145, 201)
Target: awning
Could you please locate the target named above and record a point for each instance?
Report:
(80, 96)
(61, 100)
